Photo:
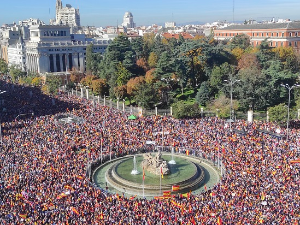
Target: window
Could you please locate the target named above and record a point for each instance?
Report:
(271, 44)
(262, 34)
(290, 43)
(272, 34)
(257, 34)
(296, 34)
(276, 44)
(282, 34)
(281, 44)
(291, 34)
(295, 43)
(277, 34)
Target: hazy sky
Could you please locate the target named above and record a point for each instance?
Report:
(146, 12)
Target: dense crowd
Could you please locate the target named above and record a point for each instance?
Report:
(43, 168)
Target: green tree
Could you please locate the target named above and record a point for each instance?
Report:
(89, 58)
(3, 66)
(240, 41)
(203, 94)
(123, 75)
(183, 110)
(146, 96)
(15, 73)
(278, 113)
(52, 84)
(152, 60)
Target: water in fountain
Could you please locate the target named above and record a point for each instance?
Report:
(134, 171)
(172, 161)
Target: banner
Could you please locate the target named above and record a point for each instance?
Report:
(175, 188)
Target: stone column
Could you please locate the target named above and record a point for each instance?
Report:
(81, 92)
(123, 105)
(61, 63)
(87, 93)
(268, 118)
(81, 60)
(75, 60)
(171, 111)
(118, 104)
(250, 116)
(155, 110)
(298, 116)
(104, 101)
(54, 62)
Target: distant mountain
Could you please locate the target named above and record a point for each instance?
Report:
(192, 22)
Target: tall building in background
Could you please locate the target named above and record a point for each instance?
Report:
(128, 20)
(67, 15)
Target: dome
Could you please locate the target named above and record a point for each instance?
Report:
(128, 14)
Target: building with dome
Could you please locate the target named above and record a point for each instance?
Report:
(128, 20)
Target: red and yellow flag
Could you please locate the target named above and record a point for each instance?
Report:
(175, 188)
(187, 152)
(219, 221)
(161, 172)
(75, 211)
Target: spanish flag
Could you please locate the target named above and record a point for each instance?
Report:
(161, 172)
(187, 152)
(23, 215)
(167, 193)
(75, 211)
(295, 161)
(175, 188)
(219, 221)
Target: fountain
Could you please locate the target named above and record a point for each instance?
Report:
(134, 171)
(172, 161)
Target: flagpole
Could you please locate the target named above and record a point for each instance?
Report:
(143, 188)
(101, 149)
(143, 182)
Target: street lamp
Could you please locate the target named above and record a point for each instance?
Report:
(1, 92)
(231, 83)
(287, 86)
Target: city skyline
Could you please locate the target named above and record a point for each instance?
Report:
(110, 13)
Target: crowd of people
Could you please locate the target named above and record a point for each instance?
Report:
(43, 166)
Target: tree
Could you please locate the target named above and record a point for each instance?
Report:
(100, 87)
(248, 61)
(149, 77)
(36, 81)
(87, 81)
(184, 110)
(146, 96)
(203, 94)
(15, 73)
(217, 77)
(240, 41)
(134, 83)
(52, 84)
(89, 58)
(3, 67)
(164, 67)
(123, 75)
(152, 60)
(278, 113)
(221, 105)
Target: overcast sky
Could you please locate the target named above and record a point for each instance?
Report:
(146, 12)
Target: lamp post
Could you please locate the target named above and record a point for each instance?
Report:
(1, 92)
(287, 86)
(231, 83)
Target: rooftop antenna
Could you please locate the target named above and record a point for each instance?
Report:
(233, 12)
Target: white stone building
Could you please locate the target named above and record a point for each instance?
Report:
(16, 55)
(67, 15)
(128, 20)
(51, 49)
